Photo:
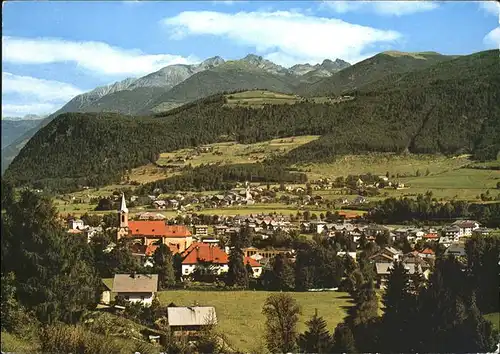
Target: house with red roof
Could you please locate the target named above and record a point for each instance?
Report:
(427, 253)
(149, 232)
(211, 259)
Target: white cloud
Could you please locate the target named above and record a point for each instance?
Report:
(385, 8)
(492, 39)
(20, 110)
(97, 57)
(288, 37)
(46, 90)
(23, 95)
(491, 7)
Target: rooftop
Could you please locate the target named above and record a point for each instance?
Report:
(135, 283)
(191, 316)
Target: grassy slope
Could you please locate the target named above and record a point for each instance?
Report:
(494, 318)
(233, 152)
(12, 343)
(240, 312)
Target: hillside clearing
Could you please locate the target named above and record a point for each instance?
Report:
(240, 315)
(381, 163)
(233, 152)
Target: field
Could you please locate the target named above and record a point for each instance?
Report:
(494, 318)
(234, 153)
(258, 98)
(240, 312)
(446, 177)
(381, 163)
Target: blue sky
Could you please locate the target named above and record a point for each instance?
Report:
(53, 51)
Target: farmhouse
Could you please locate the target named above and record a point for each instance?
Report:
(148, 232)
(190, 320)
(136, 287)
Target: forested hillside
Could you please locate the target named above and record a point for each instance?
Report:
(372, 69)
(451, 114)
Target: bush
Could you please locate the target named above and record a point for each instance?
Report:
(75, 339)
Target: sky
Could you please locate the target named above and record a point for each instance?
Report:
(55, 50)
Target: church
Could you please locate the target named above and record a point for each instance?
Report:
(150, 232)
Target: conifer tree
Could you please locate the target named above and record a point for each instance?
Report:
(399, 307)
(163, 265)
(343, 340)
(316, 338)
(54, 273)
(237, 274)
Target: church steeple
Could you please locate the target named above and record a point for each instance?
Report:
(123, 207)
(123, 212)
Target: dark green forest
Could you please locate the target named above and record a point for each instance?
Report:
(222, 177)
(447, 113)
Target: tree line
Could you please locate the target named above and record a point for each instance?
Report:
(222, 177)
(426, 208)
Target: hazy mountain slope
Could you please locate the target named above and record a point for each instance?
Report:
(460, 115)
(128, 96)
(371, 70)
(13, 129)
(225, 78)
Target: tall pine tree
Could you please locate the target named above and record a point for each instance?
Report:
(54, 272)
(316, 339)
(163, 265)
(343, 340)
(237, 274)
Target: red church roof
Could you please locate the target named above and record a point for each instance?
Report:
(157, 228)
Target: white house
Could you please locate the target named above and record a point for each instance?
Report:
(140, 288)
(211, 259)
(465, 227)
(76, 224)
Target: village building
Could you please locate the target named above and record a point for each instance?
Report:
(143, 254)
(412, 263)
(456, 249)
(189, 321)
(466, 227)
(205, 258)
(200, 230)
(260, 254)
(137, 288)
(76, 224)
(148, 232)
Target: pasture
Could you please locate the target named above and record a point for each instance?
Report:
(233, 152)
(240, 315)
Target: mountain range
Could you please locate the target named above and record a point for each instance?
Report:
(177, 84)
(439, 104)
